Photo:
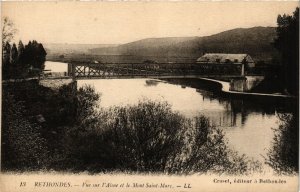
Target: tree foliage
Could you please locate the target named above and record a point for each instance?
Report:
(149, 137)
(283, 156)
(8, 30)
(21, 61)
(22, 147)
(6, 67)
(287, 43)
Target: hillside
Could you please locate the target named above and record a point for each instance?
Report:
(255, 41)
(65, 48)
(145, 47)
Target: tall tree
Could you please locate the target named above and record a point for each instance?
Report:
(6, 53)
(14, 61)
(6, 65)
(22, 66)
(35, 55)
(14, 54)
(20, 49)
(17, 61)
(8, 30)
(40, 55)
(287, 43)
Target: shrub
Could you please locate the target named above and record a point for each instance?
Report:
(23, 148)
(283, 156)
(150, 137)
(86, 102)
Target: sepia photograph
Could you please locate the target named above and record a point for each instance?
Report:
(175, 96)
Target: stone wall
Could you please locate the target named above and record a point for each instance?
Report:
(245, 84)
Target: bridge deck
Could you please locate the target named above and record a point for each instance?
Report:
(157, 76)
(154, 70)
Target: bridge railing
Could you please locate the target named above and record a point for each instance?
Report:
(150, 69)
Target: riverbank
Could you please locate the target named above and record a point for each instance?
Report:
(34, 120)
(224, 88)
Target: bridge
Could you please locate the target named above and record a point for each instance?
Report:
(89, 70)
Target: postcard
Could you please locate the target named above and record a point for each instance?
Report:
(164, 96)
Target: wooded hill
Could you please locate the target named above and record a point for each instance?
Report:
(256, 41)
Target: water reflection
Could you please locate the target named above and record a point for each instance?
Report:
(151, 82)
(249, 123)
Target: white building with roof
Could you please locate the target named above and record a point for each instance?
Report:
(227, 59)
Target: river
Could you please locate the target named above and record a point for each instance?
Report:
(248, 126)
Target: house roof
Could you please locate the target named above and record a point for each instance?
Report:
(224, 58)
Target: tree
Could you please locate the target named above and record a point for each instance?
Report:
(14, 61)
(20, 50)
(8, 30)
(6, 53)
(6, 60)
(41, 56)
(287, 43)
(22, 66)
(283, 155)
(17, 61)
(35, 55)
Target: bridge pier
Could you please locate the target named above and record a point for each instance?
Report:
(245, 84)
(71, 70)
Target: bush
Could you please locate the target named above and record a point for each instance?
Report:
(23, 148)
(150, 137)
(283, 156)
(144, 137)
(87, 102)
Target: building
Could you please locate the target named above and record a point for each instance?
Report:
(233, 62)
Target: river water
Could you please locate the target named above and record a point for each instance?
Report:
(249, 133)
(248, 126)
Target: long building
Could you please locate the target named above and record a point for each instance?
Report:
(231, 60)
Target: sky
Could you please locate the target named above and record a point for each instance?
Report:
(122, 22)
